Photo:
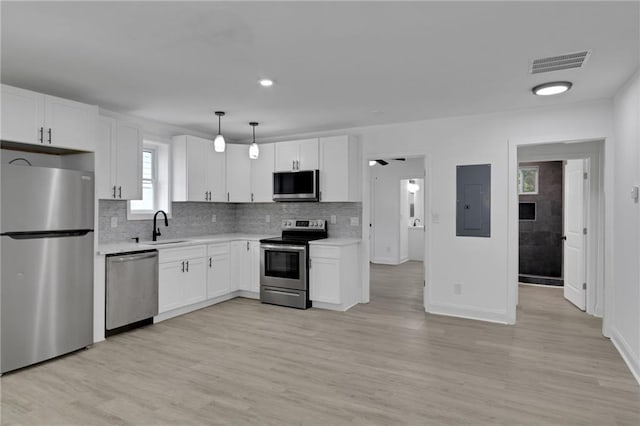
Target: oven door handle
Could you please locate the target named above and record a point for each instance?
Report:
(282, 247)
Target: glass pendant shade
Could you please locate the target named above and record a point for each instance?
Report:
(254, 151)
(219, 143)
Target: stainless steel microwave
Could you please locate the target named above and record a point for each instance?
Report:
(301, 185)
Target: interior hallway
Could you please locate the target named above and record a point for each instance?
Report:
(384, 363)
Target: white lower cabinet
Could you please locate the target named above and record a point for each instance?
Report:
(218, 280)
(182, 277)
(245, 265)
(334, 276)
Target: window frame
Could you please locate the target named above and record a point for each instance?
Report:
(161, 150)
(521, 169)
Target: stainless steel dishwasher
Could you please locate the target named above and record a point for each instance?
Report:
(131, 290)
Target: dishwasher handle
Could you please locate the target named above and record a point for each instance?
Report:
(134, 257)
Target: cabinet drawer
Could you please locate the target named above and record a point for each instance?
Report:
(218, 248)
(325, 251)
(182, 253)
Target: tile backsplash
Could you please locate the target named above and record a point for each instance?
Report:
(194, 219)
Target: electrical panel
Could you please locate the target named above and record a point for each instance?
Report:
(473, 200)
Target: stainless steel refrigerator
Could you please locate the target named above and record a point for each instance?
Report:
(46, 293)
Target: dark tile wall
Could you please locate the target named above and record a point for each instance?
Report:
(541, 240)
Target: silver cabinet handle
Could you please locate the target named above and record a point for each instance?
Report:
(309, 263)
(252, 197)
(41, 134)
(114, 191)
(227, 196)
(119, 192)
(49, 135)
(183, 266)
(247, 245)
(293, 164)
(282, 247)
(210, 262)
(206, 195)
(187, 266)
(297, 164)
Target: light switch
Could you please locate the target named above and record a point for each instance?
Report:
(267, 218)
(213, 218)
(435, 217)
(333, 219)
(114, 222)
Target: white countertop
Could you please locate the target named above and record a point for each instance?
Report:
(177, 242)
(335, 242)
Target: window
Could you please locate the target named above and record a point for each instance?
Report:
(149, 167)
(155, 182)
(528, 180)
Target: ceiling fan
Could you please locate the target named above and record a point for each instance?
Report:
(384, 162)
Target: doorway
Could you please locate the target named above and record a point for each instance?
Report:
(580, 251)
(396, 231)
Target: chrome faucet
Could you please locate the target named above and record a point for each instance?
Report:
(156, 230)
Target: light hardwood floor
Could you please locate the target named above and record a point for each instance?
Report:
(387, 362)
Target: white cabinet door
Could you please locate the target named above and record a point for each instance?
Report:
(197, 164)
(128, 161)
(254, 272)
(240, 265)
(324, 280)
(262, 174)
(218, 282)
(68, 124)
(105, 155)
(286, 154)
(22, 115)
(194, 283)
(334, 168)
(308, 154)
(170, 278)
(238, 173)
(217, 175)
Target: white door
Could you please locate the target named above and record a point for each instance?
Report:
(67, 123)
(217, 175)
(218, 276)
(238, 173)
(308, 155)
(194, 283)
(105, 158)
(22, 115)
(262, 174)
(574, 225)
(129, 162)
(286, 156)
(324, 280)
(334, 168)
(170, 286)
(197, 163)
(254, 271)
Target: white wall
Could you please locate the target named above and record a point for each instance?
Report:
(403, 230)
(386, 207)
(478, 264)
(625, 303)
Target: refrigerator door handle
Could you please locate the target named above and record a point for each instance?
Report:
(46, 234)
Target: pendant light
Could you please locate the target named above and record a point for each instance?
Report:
(218, 142)
(254, 150)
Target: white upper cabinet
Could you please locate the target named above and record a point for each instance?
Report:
(118, 160)
(34, 118)
(199, 173)
(238, 173)
(340, 169)
(296, 155)
(262, 169)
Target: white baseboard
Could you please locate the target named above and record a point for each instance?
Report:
(205, 304)
(385, 261)
(468, 312)
(632, 360)
(333, 306)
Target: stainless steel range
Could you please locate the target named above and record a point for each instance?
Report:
(284, 263)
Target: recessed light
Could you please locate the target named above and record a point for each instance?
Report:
(372, 163)
(553, 88)
(265, 82)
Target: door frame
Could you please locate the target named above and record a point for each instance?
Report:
(366, 219)
(594, 151)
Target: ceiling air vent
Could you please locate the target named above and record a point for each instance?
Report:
(560, 62)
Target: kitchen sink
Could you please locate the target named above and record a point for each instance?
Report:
(158, 243)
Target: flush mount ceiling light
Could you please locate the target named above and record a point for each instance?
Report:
(265, 82)
(254, 151)
(413, 187)
(553, 88)
(372, 162)
(219, 143)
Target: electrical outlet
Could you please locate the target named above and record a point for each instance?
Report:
(355, 221)
(333, 219)
(457, 289)
(435, 217)
(267, 218)
(213, 218)
(114, 222)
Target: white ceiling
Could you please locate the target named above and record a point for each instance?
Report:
(336, 65)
